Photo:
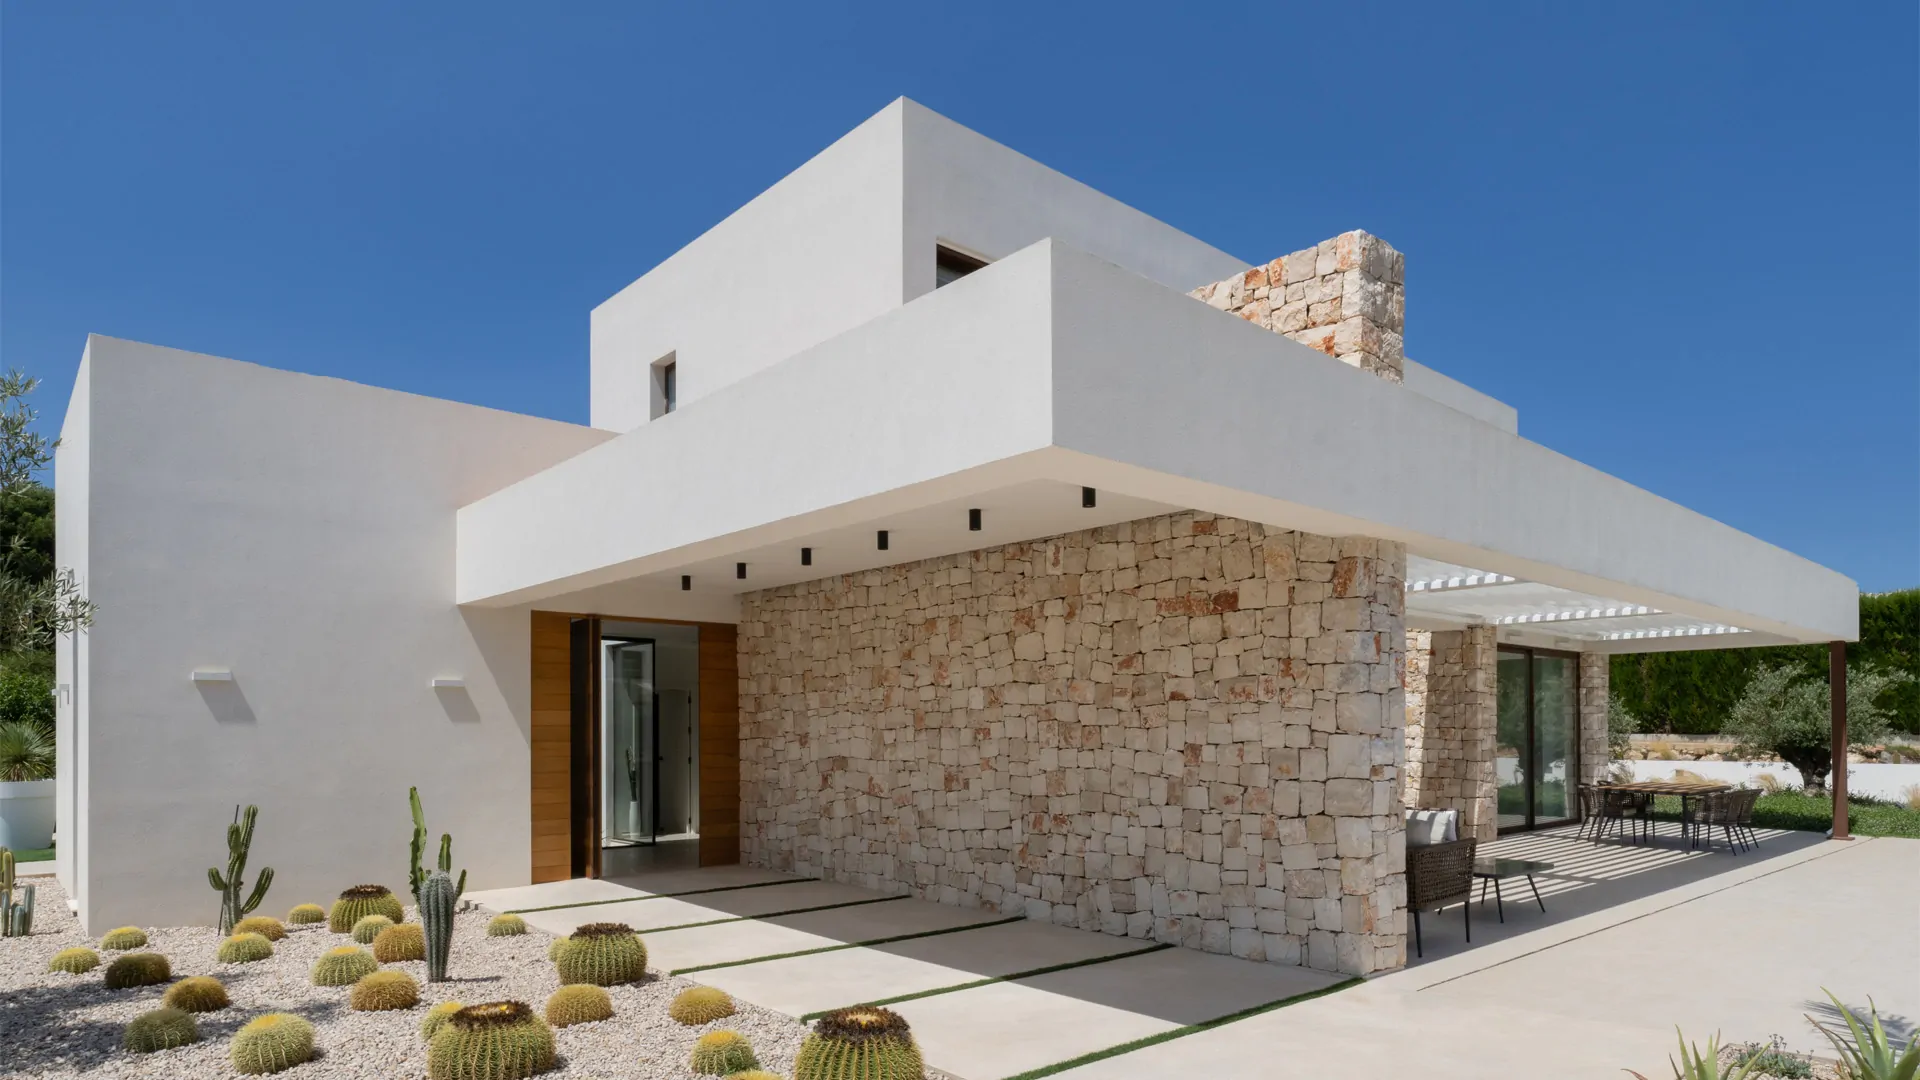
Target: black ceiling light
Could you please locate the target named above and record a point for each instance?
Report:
(973, 520)
(883, 539)
(806, 556)
(740, 570)
(686, 582)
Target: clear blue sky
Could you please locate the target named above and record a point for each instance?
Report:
(1680, 238)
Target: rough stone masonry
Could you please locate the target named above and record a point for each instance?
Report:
(1186, 728)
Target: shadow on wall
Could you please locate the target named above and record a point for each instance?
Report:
(227, 702)
(458, 704)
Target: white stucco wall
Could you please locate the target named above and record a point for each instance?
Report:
(1455, 394)
(72, 480)
(298, 531)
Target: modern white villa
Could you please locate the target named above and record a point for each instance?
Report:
(943, 527)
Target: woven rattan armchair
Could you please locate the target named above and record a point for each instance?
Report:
(1732, 811)
(1593, 811)
(1438, 875)
(1743, 805)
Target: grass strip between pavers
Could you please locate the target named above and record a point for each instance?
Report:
(770, 914)
(1180, 1032)
(657, 896)
(843, 945)
(989, 981)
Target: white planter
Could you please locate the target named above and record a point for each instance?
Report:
(26, 814)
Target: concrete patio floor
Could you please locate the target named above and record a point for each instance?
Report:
(1634, 941)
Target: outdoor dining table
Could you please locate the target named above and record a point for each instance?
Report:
(1687, 790)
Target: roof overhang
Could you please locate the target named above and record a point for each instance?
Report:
(1051, 370)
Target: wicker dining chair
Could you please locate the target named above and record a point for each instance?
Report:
(1742, 810)
(1719, 808)
(1593, 811)
(1438, 875)
(1624, 807)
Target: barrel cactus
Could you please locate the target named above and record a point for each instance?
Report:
(369, 928)
(137, 969)
(161, 1029)
(244, 949)
(579, 1004)
(864, 1041)
(398, 943)
(506, 926)
(722, 1053)
(123, 938)
(343, 966)
(604, 954)
(437, 1017)
(306, 915)
(501, 1040)
(359, 902)
(272, 1043)
(383, 991)
(196, 994)
(756, 1074)
(698, 1005)
(554, 948)
(75, 961)
(265, 925)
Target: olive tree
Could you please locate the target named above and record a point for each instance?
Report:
(1783, 712)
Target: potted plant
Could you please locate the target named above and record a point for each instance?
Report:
(26, 786)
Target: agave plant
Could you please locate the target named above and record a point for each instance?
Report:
(1695, 1065)
(26, 751)
(1867, 1053)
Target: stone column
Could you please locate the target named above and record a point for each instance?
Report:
(1345, 296)
(1450, 750)
(1595, 695)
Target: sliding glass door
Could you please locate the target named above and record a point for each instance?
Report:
(1537, 737)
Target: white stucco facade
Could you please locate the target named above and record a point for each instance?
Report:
(336, 547)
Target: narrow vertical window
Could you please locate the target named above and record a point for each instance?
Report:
(664, 375)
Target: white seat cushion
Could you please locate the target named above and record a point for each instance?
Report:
(1432, 826)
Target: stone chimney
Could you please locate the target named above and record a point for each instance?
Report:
(1346, 297)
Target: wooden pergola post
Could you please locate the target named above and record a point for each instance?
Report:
(1837, 695)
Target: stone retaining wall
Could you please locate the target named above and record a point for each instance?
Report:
(1185, 728)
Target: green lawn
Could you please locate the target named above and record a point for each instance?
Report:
(33, 854)
(1814, 813)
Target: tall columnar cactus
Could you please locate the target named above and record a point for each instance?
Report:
(418, 845)
(865, 1042)
(16, 904)
(239, 840)
(437, 895)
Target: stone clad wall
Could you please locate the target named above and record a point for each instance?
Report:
(1595, 692)
(1345, 296)
(1451, 727)
(1185, 728)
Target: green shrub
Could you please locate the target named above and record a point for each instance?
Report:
(1773, 1060)
(369, 928)
(867, 1042)
(124, 938)
(75, 961)
(265, 925)
(506, 926)
(196, 994)
(500, 1040)
(359, 902)
(407, 941)
(343, 966)
(384, 991)
(722, 1053)
(578, 1004)
(161, 1029)
(137, 969)
(272, 1043)
(604, 954)
(698, 1005)
(26, 697)
(437, 1016)
(306, 915)
(245, 949)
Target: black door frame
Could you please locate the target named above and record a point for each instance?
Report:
(652, 765)
(1530, 753)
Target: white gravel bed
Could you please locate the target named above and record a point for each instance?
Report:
(57, 1025)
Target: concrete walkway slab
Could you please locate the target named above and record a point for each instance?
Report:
(1211, 986)
(801, 985)
(1005, 1029)
(675, 950)
(658, 882)
(653, 912)
(577, 891)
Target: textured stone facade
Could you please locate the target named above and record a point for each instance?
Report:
(1185, 728)
(1452, 688)
(1595, 690)
(1345, 296)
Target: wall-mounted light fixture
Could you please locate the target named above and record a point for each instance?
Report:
(212, 675)
(740, 570)
(686, 582)
(1086, 498)
(883, 539)
(806, 556)
(449, 684)
(973, 520)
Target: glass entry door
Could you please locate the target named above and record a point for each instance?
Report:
(629, 743)
(1537, 737)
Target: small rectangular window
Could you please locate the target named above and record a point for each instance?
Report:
(665, 379)
(950, 266)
